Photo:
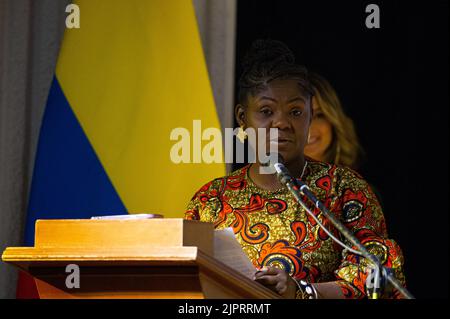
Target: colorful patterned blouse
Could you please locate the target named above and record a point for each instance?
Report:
(274, 230)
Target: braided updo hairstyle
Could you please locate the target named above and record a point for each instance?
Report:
(265, 61)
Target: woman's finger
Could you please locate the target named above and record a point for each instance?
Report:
(268, 271)
(268, 280)
(281, 287)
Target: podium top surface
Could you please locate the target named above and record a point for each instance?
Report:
(76, 233)
(130, 244)
(105, 239)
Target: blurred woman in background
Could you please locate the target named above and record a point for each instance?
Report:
(332, 136)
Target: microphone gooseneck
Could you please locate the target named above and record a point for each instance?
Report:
(297, 187)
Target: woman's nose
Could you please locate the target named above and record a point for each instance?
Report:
(280, 121)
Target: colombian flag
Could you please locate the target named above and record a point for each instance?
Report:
(131, 73)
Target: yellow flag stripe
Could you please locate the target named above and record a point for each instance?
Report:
(132, 73)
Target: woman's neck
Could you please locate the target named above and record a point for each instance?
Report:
(270, 181)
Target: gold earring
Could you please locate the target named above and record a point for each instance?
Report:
(241, 135)
(309, 137)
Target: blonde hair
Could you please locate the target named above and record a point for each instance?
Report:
(345, 148)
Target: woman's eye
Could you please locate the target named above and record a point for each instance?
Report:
(266, 111)
(296, 112)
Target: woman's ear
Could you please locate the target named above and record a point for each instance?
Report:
(239, 113)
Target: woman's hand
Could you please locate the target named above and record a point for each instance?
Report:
(277, 280)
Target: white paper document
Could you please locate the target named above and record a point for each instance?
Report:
(228, 250)
(128, 217)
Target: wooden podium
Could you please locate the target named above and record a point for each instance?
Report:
(150, 258)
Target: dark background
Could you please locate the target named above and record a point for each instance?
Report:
(393, 82)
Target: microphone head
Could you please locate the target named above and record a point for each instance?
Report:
(278, 165)
(276, 162)
(269, 166)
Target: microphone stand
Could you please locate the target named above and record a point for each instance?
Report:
(297, 187)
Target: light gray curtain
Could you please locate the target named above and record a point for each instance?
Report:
(30, 36)
(217, 24)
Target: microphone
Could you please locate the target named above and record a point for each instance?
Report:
(285, 178)
(283, 174)
(298, 187)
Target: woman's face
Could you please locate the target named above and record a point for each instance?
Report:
(321, 134)
(281, 105)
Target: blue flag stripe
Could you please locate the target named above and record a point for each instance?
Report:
(68, 179)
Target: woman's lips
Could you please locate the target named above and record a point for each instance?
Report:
(281, 141)
(282, 144)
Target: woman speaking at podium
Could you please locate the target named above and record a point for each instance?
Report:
(296, 258)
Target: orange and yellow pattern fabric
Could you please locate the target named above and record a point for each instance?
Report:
(274, 230)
